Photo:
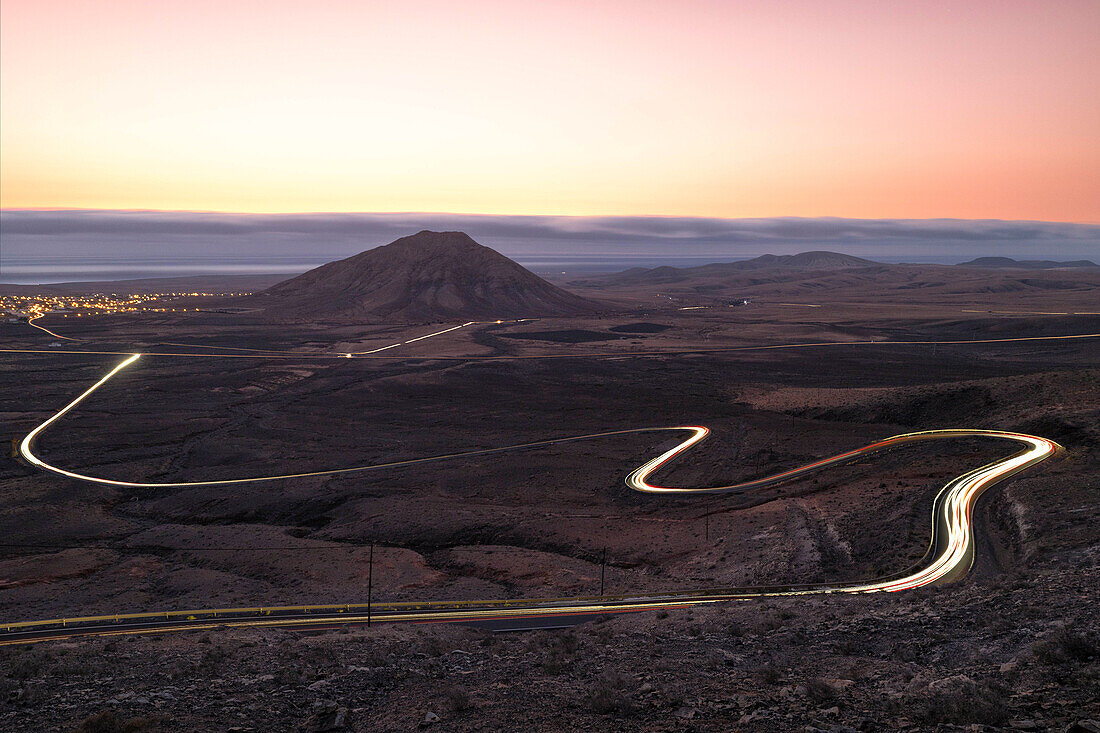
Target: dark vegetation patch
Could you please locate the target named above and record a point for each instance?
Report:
(1069, 432)
(107, 722)
(819, 691)
(612, 695)
(571, 336)
(1068, 645)
(1056, 284)
(640, 328)
(961, 702)
(930, 409)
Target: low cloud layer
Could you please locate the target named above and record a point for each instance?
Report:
(612, 228)
(32, 234)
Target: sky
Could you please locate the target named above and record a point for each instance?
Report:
(872, 109)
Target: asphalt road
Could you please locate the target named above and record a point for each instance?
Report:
(950, 554)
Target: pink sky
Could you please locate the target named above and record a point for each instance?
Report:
(844, 108)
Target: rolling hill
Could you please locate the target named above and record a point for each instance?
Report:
(1008, 262)
(801, 261)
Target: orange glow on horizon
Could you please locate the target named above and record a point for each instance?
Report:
(852, 108)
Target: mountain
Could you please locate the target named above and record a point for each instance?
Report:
(801, 261)
(428, 276)
(818, 260)
(1025, 264)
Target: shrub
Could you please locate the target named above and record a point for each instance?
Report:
(435, 647)
(612, 695)
(769, 674)
(819, 691)
(560, 650)
(1065, 645)
(212, 657)
(101, 722)
(971, 703)
(106, 721)
(25, 667)
(458, 698)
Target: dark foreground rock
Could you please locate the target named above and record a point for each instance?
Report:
(1004, 654)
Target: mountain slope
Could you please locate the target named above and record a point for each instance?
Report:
(424, 277)
(1025, 264)
(801, 261)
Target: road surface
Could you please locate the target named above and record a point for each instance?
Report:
(949, 556)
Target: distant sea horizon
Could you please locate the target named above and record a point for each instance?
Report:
(52, 270)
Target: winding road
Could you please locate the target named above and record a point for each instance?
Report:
(949, 555)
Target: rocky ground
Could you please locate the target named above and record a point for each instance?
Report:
(1020, 652)
(1014, 647)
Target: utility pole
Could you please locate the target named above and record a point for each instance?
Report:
(603, 569)
(707, 531)
(370, 580)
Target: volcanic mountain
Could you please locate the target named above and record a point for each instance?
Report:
(428, 276)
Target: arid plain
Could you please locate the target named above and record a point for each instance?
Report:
(821, 359)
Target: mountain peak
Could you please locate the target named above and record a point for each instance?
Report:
(425, 276)
(430, 238)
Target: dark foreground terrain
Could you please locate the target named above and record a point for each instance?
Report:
(1013, 653)
(1012, 647)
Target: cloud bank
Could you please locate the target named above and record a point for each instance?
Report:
(611, 228)
(301, 240)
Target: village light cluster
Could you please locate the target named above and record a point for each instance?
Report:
(26, 307)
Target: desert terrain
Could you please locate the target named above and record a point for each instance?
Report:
(785, 364)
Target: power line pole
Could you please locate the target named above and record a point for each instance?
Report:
(603, 569)
(707, 531)
(370, 581)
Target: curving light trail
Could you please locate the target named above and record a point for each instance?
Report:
(376, 353)
(31, 322)
(952, 548)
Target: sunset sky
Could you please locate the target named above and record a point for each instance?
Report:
(724, 108)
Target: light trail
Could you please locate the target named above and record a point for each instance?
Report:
(577, 355)
(951, 550)
(31, 322)
(418, 338)
(25, 446)
(375, 351)
(437, 333)
(1034, 313)
(254, 353)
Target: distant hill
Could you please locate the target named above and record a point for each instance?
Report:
(424, 277)
(801, 261)
(818, 260)
(1025, 264)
